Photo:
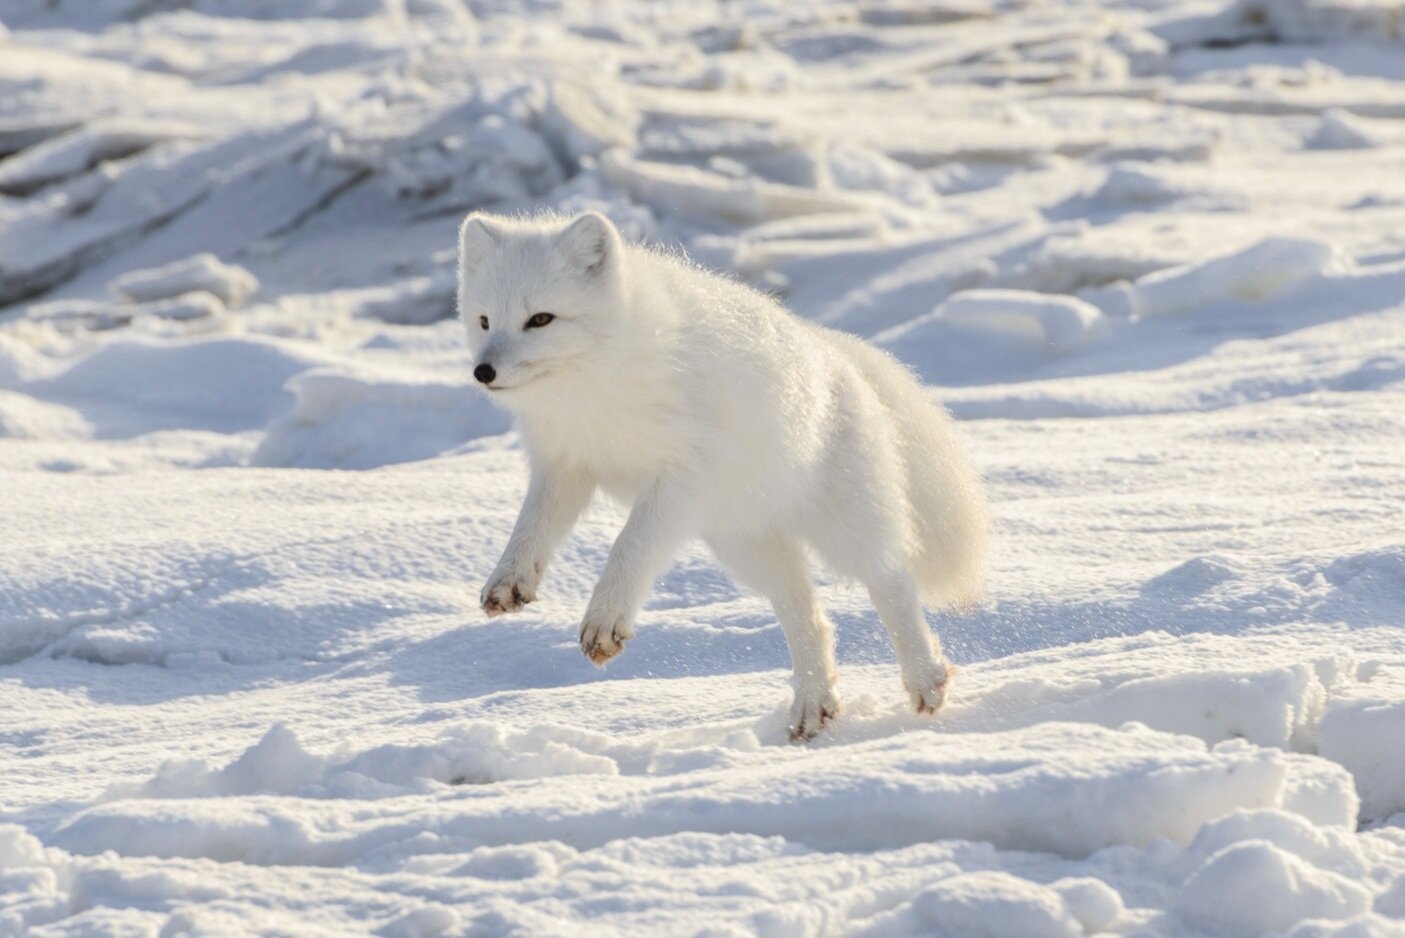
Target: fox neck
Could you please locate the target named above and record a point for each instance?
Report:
(614, 415)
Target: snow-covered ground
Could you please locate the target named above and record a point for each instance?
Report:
(1152, 253)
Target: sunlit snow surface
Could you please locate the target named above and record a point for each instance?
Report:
(1152, 253)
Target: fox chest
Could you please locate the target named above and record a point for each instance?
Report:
(623, 448)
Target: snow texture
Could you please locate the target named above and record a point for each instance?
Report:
(1149, 252)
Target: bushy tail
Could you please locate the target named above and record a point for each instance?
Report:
(950, 522)
(949, 511)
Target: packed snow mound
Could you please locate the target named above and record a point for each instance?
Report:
(989, 904)
(347, 421)
(32, 884)
(1192, 822)
(1009, 789)
(474, 754)
(131, 387)
(1185, 686)
(1224, 895)
(1057, 323)
(1341, 130)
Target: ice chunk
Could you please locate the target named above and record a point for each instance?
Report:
(692, 191)
(1257, 272)
(864, 169)
(1366, 734)
(233, 285)
(1339, 129)
(1319, 790)
(100, 315)
(20, 361)
(195, 305)
(477, 147)
(586, 121)
(25, 418)
(415, 301)
(1135, 185)
(1320, 20)
(80, 150)
(58, 235)
(1271, 706)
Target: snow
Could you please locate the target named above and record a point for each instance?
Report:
(1150, 254)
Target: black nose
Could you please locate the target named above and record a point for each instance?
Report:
(485, 374)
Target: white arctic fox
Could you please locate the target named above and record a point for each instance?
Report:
(717, 414)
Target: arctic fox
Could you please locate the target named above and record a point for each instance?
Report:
(717, 414)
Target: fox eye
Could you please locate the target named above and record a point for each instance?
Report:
(483, 321)
(539, 320)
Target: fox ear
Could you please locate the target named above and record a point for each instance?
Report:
(477, 237)
(591, 242)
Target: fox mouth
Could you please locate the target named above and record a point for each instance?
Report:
(528, 379)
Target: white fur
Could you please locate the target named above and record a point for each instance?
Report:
(717, 414)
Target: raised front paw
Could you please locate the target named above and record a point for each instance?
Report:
(811, 710)
(603, 634)
(928, 693)
(507, 591)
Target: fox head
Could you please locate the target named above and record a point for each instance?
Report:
(537, 299)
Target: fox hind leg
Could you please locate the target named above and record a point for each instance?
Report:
(861, 526)
(926, 672)
(774, 566)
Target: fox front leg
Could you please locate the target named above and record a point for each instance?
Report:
(555, 499)
(659, 521)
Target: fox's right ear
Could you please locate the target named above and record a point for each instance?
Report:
(477, 237)
(591, 242)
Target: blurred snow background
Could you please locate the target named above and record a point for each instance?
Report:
(1152, 252)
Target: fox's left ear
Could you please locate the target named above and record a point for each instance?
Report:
(591, 242)
(478, 237)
